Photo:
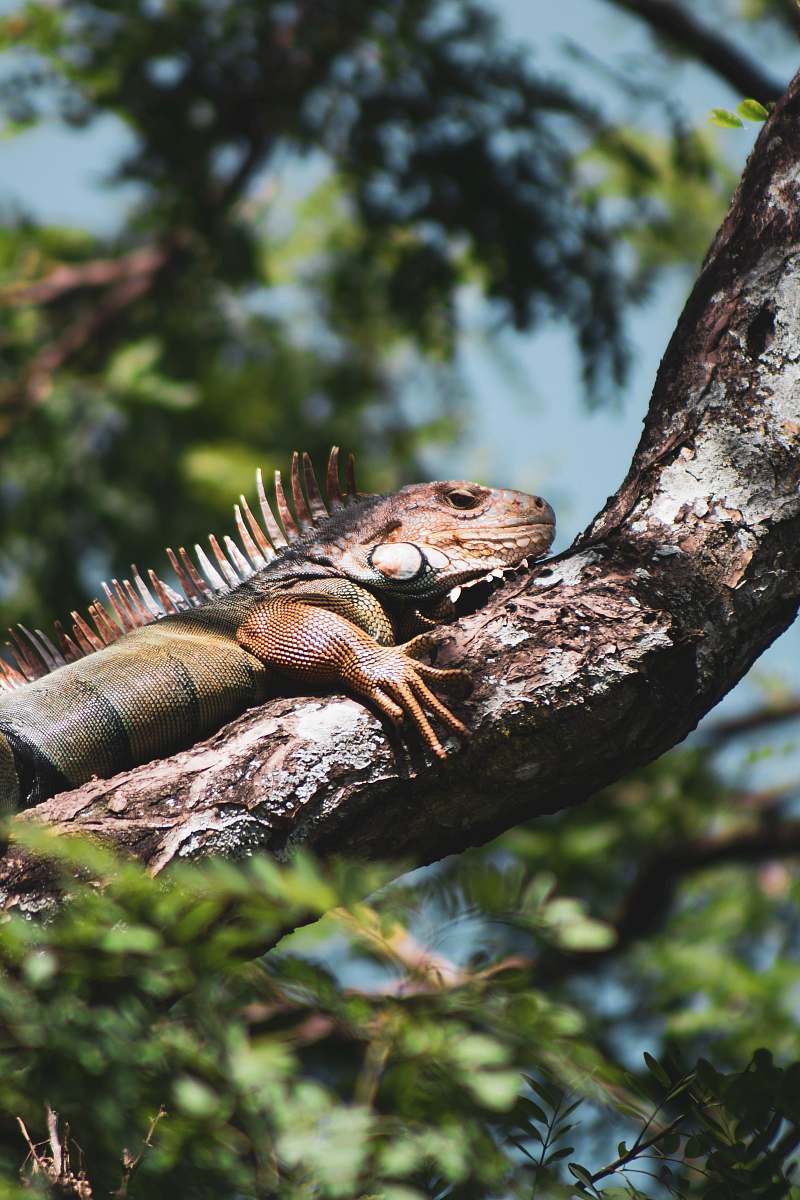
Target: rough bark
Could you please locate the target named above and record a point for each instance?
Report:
(596, 662)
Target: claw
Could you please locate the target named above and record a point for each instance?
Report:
(401, 687)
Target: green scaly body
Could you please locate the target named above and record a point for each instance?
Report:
(154, 691)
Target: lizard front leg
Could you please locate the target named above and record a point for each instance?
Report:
(298, 636)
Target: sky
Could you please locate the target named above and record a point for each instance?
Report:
(533, 430)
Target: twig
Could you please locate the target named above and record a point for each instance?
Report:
(129, 277)
(55, 1142)
(131, 1162)
(257, 150)
(76, 336)
(636, 1150)
(32, 1153)
(752, 722)
(678, 25)
(99, 272)
(647, 904)
(56, 1167)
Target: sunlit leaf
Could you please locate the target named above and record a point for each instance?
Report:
(752, 110)
(724, 118)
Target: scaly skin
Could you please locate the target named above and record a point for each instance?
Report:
(329, 608)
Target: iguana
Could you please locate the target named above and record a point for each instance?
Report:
(344, 597)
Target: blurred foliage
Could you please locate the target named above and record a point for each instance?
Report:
(778, 18)
(317, 187)
(474, 1030)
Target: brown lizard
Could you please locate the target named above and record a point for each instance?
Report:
(344, 596)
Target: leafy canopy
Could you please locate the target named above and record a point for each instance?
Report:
(470, 1032)
(147, 371)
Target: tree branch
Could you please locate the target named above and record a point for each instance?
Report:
(595, 663)
(752, 722)
(99, 272)
(678, 25)
(52, 357)
(127, 279)
(648, 903)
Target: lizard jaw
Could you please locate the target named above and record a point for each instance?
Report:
(470, 596)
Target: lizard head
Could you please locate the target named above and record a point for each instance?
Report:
(429, 538)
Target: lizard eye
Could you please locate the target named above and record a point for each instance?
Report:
(397, 560)
(461, 498)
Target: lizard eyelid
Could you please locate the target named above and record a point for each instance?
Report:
(461, 498)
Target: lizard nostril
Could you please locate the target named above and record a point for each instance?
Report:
(538, 502)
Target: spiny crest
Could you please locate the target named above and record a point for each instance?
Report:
(131, 605)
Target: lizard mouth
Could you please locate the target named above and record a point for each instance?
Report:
(468, 597)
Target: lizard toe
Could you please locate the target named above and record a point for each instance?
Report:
(452, 679)
(434, 704)
(388, 707)
(420, 647)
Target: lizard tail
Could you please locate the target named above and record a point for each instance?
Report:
(9, 780)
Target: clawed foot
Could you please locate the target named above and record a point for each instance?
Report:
(397, 682)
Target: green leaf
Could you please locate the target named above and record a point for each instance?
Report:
(261, 1061)
(707, 1076)
(402, 1156)
(133, 369)
(476, 1050)
(520, 1146)
(752, 110)
(725, 119)
(533, 1109)
(552, 1096)
(655, 1068)
(398, 1191)
(580, 1173)
(696, 1146)
(195, 1098)
(333, 1148)
(494, 1089)
(681, 1086)
(586, 934)
(557, 1155)
(447, 1148)
(131, 939)
(537, 891)
(40, 967)
(563, 1130)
